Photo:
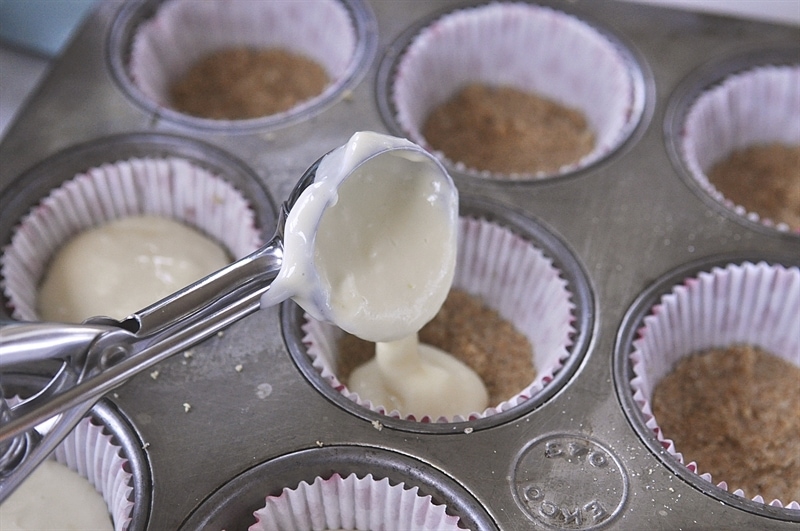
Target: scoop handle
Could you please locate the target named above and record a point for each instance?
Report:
(23, 342)
(198, 301)
(144, 339)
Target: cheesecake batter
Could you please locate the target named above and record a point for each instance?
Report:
(124, 266)
(54, 498)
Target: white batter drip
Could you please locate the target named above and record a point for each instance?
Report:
(418, 379)
(371, 247)
(124, 266)
(54, 498)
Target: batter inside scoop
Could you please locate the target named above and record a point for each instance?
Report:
(371, 247)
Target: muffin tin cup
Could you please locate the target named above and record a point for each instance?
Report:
(751, 303)
(104, 450)
(529, 278)
(352, 502)
(341, 487)
(733, 116)
(154, 44)
(532, 48)
(162, 183)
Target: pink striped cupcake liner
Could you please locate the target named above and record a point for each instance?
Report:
(352, 502)
(750, 303)
(734, 115)
(88, 450)
(184, 31)
(531, 48)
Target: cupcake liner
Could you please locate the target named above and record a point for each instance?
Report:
(352, 503)
(531, 48)
(171, 187)
(509, 275)
(90, 452)
(754, 304)
(184, 31)
(733, 115)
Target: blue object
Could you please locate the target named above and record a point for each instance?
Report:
(42, 26)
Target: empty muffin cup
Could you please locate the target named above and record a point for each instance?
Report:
(511, 276)
(238, 63)
(574, 69)
(747, 305)
(740, 142)
(169, 187)
(352, 502)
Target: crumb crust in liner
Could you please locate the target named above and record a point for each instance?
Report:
(720, 307)
(730, 117)
(428, 72)
(511, 276)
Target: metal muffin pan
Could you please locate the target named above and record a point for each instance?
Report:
(575, 459)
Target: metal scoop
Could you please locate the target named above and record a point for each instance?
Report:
(103, 353)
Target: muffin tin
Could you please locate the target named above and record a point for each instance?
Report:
(244, 414)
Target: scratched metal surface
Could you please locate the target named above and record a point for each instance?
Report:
(574, 460)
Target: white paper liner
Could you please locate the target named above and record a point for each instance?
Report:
(534, 49)
(172, 187)
(760, 106)
(753, 304)
(509, 275)
(352, 503)
(184, 31)
(93, 455)
(90, 452)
